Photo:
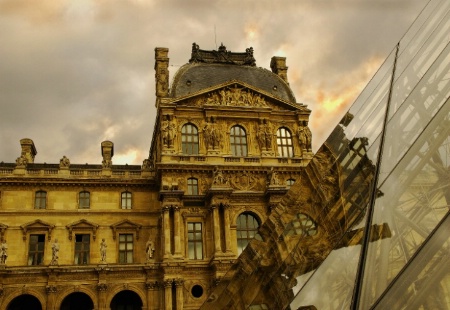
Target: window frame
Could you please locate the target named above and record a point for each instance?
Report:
(189, 139)
(41, 197)
(285, 146)
(82, 200)
(240, 248)
(192, 187)
(78, 253)
(129, 239)
(33, 254)
(128, 199)
(238, 141)
(194, 241)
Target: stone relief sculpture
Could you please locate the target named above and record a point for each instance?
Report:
(218, 177)
(3, 252)
(147, 165)
(64, 162)
(212, 135)
(149, 249)
(168, 131)
(103, 247)
(235, 97)
(304, 136)
(55, 253)
(264, 135)
(106, 163)
(274, 179)
(21, 161)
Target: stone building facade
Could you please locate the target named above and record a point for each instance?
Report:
(229, 140)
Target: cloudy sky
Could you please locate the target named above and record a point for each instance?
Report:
(74, 73)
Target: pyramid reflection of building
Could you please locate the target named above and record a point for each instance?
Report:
(366, 226)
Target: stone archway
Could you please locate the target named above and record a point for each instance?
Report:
(77, 300)
(24, 302)
(127, 299)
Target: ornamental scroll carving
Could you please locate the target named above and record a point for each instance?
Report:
(245, 181)
(231, 96)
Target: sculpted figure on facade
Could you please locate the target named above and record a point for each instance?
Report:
(64, 162)
(234, 97)
(21, 161)
(149, 249)
(264, 135)
(168, 131)
(147, 165)
(274, 179)
(3, 252)
(55, 253)
(304, 136)
(219, 178)
(106, 163)
(103, 247)
(212, 135)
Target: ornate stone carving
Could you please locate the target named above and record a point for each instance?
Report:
(168, 283)
(212, 135)
(218, 178)
(64, 162)
(304, 136)
(244, 181)
(222, 56)
(147, 165)
(264, 135)
(168, 131)
(103, 247)
(21, 162)
(3, 252)
(235, 96)
(178, 282)
(149, 249)
(51, 289)
(102, 287)
(55, 253)
(152, 285)
(274, 180)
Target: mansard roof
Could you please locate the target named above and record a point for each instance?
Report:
(208, 68)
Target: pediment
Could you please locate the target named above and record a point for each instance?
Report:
(36, 226)
(125, 226)
(237, 94)
(82, 225)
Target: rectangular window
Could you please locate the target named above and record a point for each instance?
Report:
(195, 241)
(40, 200)
(84, 200)
(36, 250)
(126, 248)
(192, 186)
(82, 246)
(126, 200)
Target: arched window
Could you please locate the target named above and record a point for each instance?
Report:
(238, 141)
(246, 230)
(192, 186)
(284, 142)
(189, 139)
(40, 200)
(302, 225)
(84, 200)
(126, 200)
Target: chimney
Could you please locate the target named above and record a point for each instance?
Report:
(278, 66)
(162, 71)
(28, 150)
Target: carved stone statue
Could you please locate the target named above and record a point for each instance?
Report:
(55, 253)
(219, 179)
(21, 161)
(168, 131)
(103, 247)
(211, 134)
(3, 252)
(64, 162)
(274, 180)
(106, 163)
(147, 165)
(150, 249)
(264, 136)
(304, 136)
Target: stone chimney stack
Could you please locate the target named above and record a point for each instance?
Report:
(28, 150)
(278, 66)
(162, 71)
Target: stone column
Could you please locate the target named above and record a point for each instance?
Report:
(216, 224)
(179, 293)
(152, 295)
(51, 292)
(166, 229)
(226, 215)
(101, 288)
(177, 232)
(168, 294)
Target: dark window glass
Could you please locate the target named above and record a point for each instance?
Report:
(302, 225)
(126, 248)
(192, 186)
(195, 241)
(126, 200)
(36, 250)
(84, 200)
(238, 141)
(82, 247)
(284, 143)
(189, 139)
(246, 230)
(40, 200)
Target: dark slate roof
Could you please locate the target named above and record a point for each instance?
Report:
(194, 77)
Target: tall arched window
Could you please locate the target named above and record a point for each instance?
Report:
(284, 142)
(189, 139)
(238, 141)
(247, 228)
